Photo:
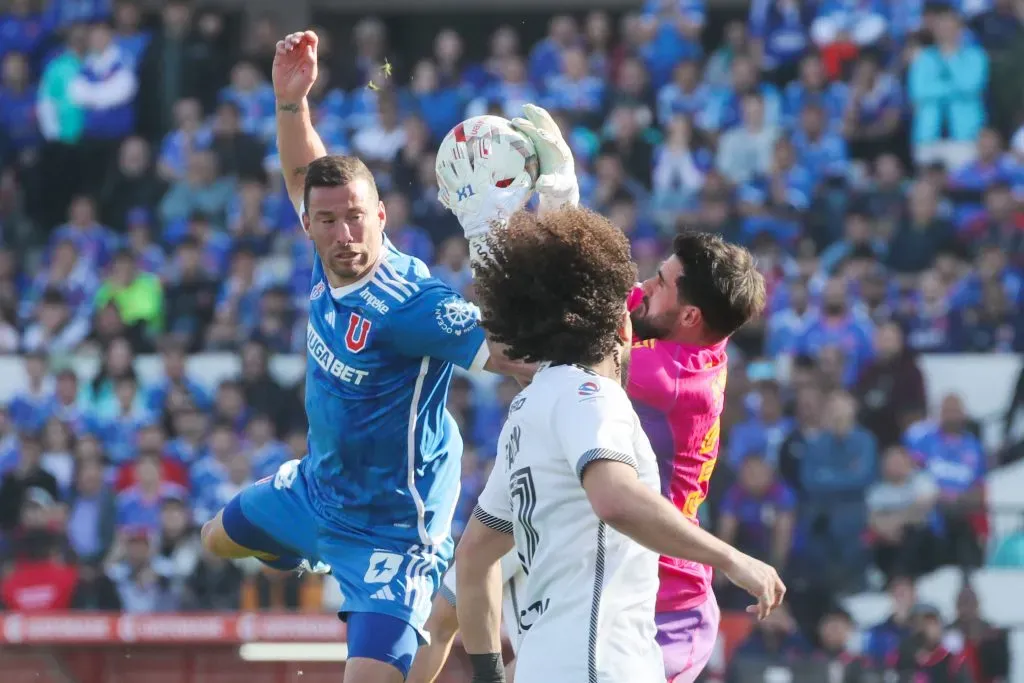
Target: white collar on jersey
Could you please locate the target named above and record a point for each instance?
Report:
(345, 290)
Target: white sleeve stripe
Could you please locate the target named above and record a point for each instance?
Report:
(602, 454)
(480, 359)
(492, 522)
(447, 593)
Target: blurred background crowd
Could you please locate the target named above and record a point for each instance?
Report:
(867, 152)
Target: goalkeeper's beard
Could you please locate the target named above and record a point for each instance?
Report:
(621, 359)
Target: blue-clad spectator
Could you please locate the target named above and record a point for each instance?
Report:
(66, 405)
(995, 325)
(176, 385)
(118, 425)
(140, 505)
(476, 76)
(883, 641)
(190, 445)
(253, 96)
(190, 135)
(265, 452)
(94, 243)
(947, 84)
(574, 88)
(758, 513)
(857, 234)
(685, 95)
(787, 326)
(546, 56)
(948, 451)
(20, 136)
(92, 513)
(874, 109)
(925, 317)
(718, 69)
(21, 29)
(106, 87)
(238, 474)
(60, 14)
(763, 434)
(132, 39)
(772, 203)
(407, 237)
(839, 465)
(725, 105)
(861, 21)
(675, 28)
(779, 31)
(213, 468)
(67, 273)
(835, 325)
(29, 410)
(202, 190)
(990, 267)
(509, 94)
(992, 165)
(819, 150)
(922, 234)
(439, 105)
(813, 87)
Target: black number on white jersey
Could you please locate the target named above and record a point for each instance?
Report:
(524, 498)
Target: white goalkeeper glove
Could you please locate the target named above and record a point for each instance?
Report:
(556, 185)
(477, 203)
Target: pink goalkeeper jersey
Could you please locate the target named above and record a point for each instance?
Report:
(679, 392)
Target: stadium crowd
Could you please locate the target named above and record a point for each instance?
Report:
(866, 152)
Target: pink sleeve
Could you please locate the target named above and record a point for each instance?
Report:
(651, 377)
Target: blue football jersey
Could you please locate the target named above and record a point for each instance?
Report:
(384, 453)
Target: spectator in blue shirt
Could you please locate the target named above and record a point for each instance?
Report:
(725, 105)
(786, 326)
(507, 95)
(990, 166)
(132, 40)
(862, 22)
(439, 105)
(675, 28)
(947, 84)
(836, 325)
(106, 87)
(922, 235)
(779, 32)
(857, 233)
(408, 238)
(956, 460)
(882, 642)
(761, 435)
(814, 88)
(61, 14)
(758, 513)
(21, 29)
(139, 505)
(252, 95)
(574, 89)
(774, 202)
(30, 409)
(20, 137)
(874, 111)
(925, 316)
(190, 135)
(685, 95)
(546, 56)
(95, 243)
(819, 150)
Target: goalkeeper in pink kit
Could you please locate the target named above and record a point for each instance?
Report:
(682, 320)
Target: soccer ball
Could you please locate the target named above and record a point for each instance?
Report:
(497, 153)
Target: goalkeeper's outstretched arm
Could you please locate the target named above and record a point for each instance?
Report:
(298, 143)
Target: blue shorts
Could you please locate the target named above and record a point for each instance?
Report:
(377, 576)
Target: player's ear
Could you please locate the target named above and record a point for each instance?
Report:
(690, 316)
(305, 221)
(381, 213)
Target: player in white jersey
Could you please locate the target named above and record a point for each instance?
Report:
(575, 489)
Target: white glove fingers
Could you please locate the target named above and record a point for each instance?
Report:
(540, 118)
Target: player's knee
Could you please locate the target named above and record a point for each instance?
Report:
(443, 622)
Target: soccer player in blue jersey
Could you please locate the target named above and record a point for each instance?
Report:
(374, 498)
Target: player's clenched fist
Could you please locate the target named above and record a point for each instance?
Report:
(760, 580)
(295, 68)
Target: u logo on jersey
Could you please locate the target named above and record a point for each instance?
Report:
(357, 333)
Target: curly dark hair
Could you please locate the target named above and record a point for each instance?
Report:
(719, 278)
(554, 287)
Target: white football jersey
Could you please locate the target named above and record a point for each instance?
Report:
(591, 590)
(512, 586)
